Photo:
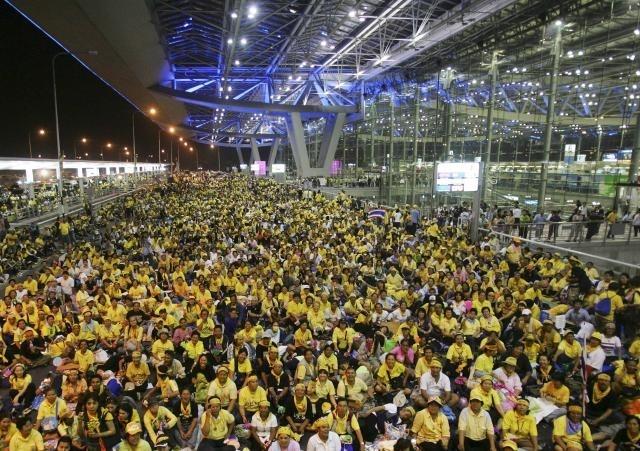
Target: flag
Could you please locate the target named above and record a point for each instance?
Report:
(377, 213)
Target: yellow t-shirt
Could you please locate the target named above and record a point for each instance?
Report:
(84, 360)
(560, 395)
(33, 442)
(250, 400)
(522, 426)
(460, 353)
(428, 429)
(385, 374)
(328, 363)
(570, 350)
(484, 363)
(218, 427)
(56, 409)
(339, 425)
(572, 440)
(489, 399)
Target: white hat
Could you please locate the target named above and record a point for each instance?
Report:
(526, 312)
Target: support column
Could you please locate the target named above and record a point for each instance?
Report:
(239, 152)
(416, 124)
(330, 138)
(295, 131)
(446, 143)
(635, 154)
(272, 154)
(544, 173)
(492, 101)
(390, 153)
(255, 154)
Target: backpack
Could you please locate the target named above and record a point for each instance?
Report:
(603, 307)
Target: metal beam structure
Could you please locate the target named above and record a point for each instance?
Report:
(247, 106)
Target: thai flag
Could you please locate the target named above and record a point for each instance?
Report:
(377, 213)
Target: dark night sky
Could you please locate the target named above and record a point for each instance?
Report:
(87, 107)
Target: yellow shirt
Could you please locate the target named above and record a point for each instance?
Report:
(328, 363)
(385, 374)
(616, 303)
(355, 391)
(117, 315)
(520, 426)
(158, 348)
(137, 374)
(560, 395)
(19, 383)
(428, 429)
(84, 360)
(218, 426)
(33, 442)
(56, 409)
(250, 400)
(489, 399)
(225, 392)
(459, 353)
(339, 425)
(570, 350)
(193, 351)
(484, 363)
(343, 338)
(572, 440)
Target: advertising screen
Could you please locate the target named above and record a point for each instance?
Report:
(457, 177)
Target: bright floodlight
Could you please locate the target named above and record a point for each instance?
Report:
(243, 41)
(109, 145)
(352, 13)
(229, 41)
(252, 12)
(84, 140)
(152, 111)
(172, 129)
(234, 15)
(558, 23)
(323, 43)
(636, 31)
(41, 131)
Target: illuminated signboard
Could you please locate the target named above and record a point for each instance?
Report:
(278, 168)
(259, 168)
(457, 177)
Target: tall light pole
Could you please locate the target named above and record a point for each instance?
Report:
(152, 112)
(55, 107)
(41, 132)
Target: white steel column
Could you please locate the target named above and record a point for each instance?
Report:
(255, 154)
(273, 153)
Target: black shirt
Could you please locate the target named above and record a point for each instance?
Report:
(624, 443)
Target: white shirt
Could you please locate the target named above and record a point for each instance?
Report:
(66, 285)
(517, 213)
(397, 315)
(263, 429)
(595, 359)
(332, 444)
(433, 387)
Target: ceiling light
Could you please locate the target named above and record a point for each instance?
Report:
(323, 43)
(558, 23)
(293, 11)
(298, 78)
(236, 62)
(252, 11)
(234, 15)
(229, 41)
(352, 13)
(229, 88)
(243, 41)
(636, 31)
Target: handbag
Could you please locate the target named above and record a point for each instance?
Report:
(50, 423)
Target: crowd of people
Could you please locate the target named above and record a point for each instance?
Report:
(225, 312)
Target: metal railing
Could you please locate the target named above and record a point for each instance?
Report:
(600, 262)
(577, 232)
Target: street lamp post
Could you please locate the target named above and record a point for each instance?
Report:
(41, 132)
(55, 107)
